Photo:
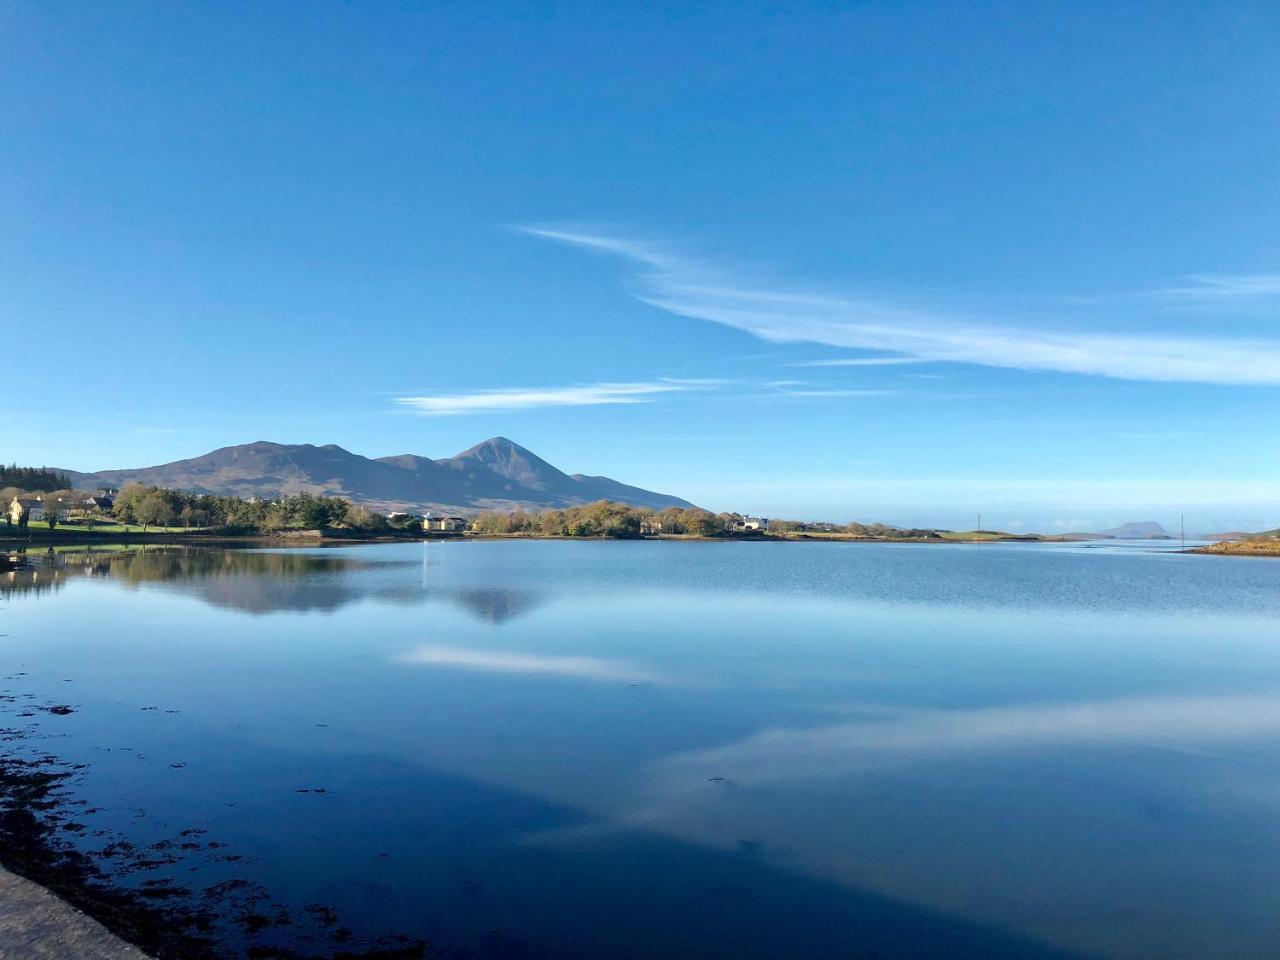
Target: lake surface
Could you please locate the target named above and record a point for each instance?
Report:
(654, 749)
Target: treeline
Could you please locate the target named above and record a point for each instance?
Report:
(160, 507)
(604, 519)
(617, 520)
(871, 531)
(35, 479)
(156, 506)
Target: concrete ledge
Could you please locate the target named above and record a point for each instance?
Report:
(36, 925)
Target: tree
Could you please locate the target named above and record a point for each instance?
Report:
(153, 508)
(126, 504)
(551, 523)
(33, 478)
(702, 523)
(51, 512)
(275, 518)
(336, 509)
(361, 518)
(192, 516)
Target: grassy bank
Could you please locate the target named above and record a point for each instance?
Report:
(79, 528)
(941, 536)
(1268, 546)
(40, 535)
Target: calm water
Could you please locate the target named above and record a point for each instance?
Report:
(559, 749)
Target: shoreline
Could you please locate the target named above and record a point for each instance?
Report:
(302, 538)
(1241, 548)
(331, 537)
(310, 538)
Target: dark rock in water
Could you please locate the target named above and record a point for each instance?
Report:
(60, 710)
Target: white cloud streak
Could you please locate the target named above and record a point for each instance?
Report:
(839, 393)
(522, 398)
(690, 288)
(1209, 287)
(529, 664)
(859, 362)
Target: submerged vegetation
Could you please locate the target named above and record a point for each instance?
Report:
(179, 894)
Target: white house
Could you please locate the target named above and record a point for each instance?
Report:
(446, 524)
(743, 524)
(26, 508)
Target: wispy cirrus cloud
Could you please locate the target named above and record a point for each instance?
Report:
(1218, 287)
(508, 399)
(700, 290)
(836, 392)
(859, 362)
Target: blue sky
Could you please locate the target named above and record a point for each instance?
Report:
(878, 261)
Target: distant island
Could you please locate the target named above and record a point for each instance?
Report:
(1145, 530)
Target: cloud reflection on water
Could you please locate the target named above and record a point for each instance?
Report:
(504, 661)
(1167, 722)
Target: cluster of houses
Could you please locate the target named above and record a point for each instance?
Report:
(431, 521)
(24, 509)
(652, 526)
(446, 524)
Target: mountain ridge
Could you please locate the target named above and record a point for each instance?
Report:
(496, 473)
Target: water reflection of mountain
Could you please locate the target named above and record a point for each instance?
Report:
(496, 604)
(259, 582)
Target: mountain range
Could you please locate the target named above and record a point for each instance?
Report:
(495, 474)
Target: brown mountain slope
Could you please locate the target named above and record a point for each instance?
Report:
(495, 473)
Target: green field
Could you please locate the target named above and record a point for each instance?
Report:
(73, 530)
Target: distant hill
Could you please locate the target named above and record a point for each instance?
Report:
(1145, 530)
(495, 474)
